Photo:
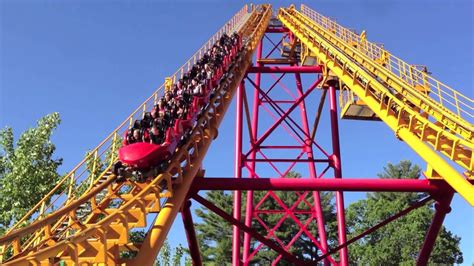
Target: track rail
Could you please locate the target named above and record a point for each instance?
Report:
(456, 108)
(410, 114)
(101, 235)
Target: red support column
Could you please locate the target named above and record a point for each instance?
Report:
(336, 164)
(442, 208)
(238, 174)
(254, 130)
(191, 234)
(312, 169)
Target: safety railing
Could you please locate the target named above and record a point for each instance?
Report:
(346, 98)
(97, 162)
(452, 100)
(183, 161)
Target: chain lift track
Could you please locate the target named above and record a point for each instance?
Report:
(87, 218)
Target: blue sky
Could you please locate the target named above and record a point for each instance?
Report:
(95, 61)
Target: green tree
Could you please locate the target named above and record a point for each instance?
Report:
(400, 241)
(214, 233)
(27, 169)
(170, 256)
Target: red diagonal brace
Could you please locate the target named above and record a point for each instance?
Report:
(289, 257)
(296, 104)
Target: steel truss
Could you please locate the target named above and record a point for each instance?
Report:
(257, 156)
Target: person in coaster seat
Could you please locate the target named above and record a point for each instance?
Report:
(187, 96)
(136, 136)
(147, 120)
(197, 88)
(157, 132)
(167, 98)
(182, 111)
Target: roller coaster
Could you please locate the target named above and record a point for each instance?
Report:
(86, 219)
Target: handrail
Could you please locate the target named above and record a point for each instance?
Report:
(182, 153)
(149, 102)
(398, 114)
(455, 102)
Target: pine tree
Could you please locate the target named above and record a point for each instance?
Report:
(400, 241)
(214, 233)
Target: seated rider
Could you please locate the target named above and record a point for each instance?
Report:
(182, 111)
(157, 132)
(136, 136)
(147, 119)
(197, 88)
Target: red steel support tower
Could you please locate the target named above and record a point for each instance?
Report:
(281, 107)
(284, 93)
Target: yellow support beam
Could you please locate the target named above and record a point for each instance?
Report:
(395, 112)
(455, 109)
(96, 238)
(159, 231)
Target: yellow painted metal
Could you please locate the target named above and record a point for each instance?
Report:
(450, 107)
(168, 83)
(165, 218)
(96, 239)
(456, 143)
(401, 116)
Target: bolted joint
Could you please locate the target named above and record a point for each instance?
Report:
(442, 207)
(333, 83)
(333, 160)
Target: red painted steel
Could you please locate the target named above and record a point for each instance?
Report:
(277, 30)
(254, 131)
(326, 184)
(336, 164)
(301, 135)
(285, 69)
(247, 229)
(442, 208)
(312, 169)
(238, 174)
(285, 115)
(191, 234)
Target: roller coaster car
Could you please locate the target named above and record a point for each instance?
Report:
(141, 160)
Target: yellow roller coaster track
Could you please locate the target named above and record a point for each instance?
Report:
(87, 217)
(381, 81)
(86, 228)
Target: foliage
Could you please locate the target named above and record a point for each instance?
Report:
(136, 237)
(171, 256)
(28, 170)
(215, 234)
(400, 241)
